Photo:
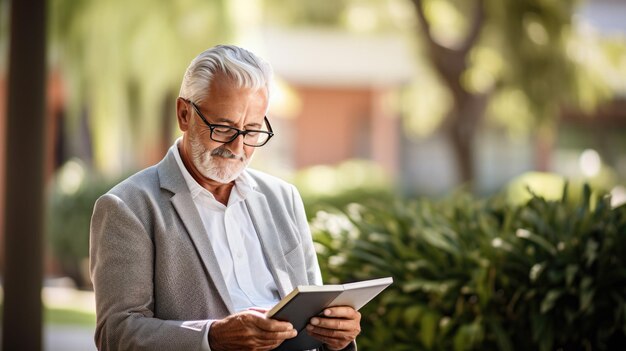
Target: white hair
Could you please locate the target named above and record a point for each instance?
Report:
(245, 69)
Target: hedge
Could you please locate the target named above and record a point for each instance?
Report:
(475, 274)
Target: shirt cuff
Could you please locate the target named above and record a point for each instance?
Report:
(205, 341)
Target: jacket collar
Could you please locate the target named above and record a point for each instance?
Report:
(171, 179)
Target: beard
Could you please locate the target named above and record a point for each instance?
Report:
(216, 164)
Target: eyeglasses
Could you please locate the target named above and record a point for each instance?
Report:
(226, 134)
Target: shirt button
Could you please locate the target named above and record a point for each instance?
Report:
(239, 254)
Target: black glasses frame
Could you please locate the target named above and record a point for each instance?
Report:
(269, 132)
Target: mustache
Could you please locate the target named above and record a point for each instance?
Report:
(225, 153)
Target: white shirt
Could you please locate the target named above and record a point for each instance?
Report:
(234, 241)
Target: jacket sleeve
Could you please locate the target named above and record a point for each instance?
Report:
(314, 275)
(121, 267)
(313, 268)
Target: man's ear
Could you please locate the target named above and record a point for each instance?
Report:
(183, 114)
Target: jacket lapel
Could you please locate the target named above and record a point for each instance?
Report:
(261, 216)
(172, 180)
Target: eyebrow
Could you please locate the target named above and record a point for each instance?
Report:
(228, 121)
(221, 120)
(231, 124)
(254, 125)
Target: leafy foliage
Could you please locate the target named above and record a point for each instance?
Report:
(354, 180)
(481, 274)
(122, 63)
(69, 215)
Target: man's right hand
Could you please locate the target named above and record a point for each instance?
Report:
(249, 330)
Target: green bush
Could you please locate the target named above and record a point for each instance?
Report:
(314, 203)
(354, 180)
(70, 206)
(484, 275)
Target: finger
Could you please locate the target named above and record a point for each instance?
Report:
(337, 342)
(260, 321)
(272, 325)
(335, 323)
(341, 312)
(277, 336)
(333, 333)
(258, 346)
(337, 329)
(259, 340)
(264, 340)
(258, 309)
(253, 312)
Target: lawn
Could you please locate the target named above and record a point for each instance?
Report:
(68, 316)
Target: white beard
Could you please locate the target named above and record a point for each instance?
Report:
(208, 162)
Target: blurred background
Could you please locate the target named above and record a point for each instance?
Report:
(394, 98)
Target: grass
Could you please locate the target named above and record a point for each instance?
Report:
(66, 316)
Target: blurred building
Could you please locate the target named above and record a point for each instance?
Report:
(341, 83)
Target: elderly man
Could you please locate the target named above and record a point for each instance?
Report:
(189, 254)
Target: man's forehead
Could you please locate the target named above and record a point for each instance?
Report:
(224, 83)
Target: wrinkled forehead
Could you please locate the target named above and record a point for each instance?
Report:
(223, 83)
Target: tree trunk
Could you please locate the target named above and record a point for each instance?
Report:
(468, 108)
(464, 121)
(463, 151)
(24, 188)
(544, 144)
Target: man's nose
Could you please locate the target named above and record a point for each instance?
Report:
(236, 146)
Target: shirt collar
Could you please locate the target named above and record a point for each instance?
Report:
(244, 184)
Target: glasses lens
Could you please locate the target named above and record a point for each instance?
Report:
(223, 134)
(256, 138)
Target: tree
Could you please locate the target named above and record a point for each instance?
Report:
(532, 38)
(24, 188)
(507, 57)
(451, 63)
(124, 66)
(123, 62)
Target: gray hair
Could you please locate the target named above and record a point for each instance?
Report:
(245, 69)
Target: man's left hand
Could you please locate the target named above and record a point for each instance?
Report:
(337, 327)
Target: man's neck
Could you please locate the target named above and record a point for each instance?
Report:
(220, 191)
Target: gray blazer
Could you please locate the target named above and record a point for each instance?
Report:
(155, 274)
